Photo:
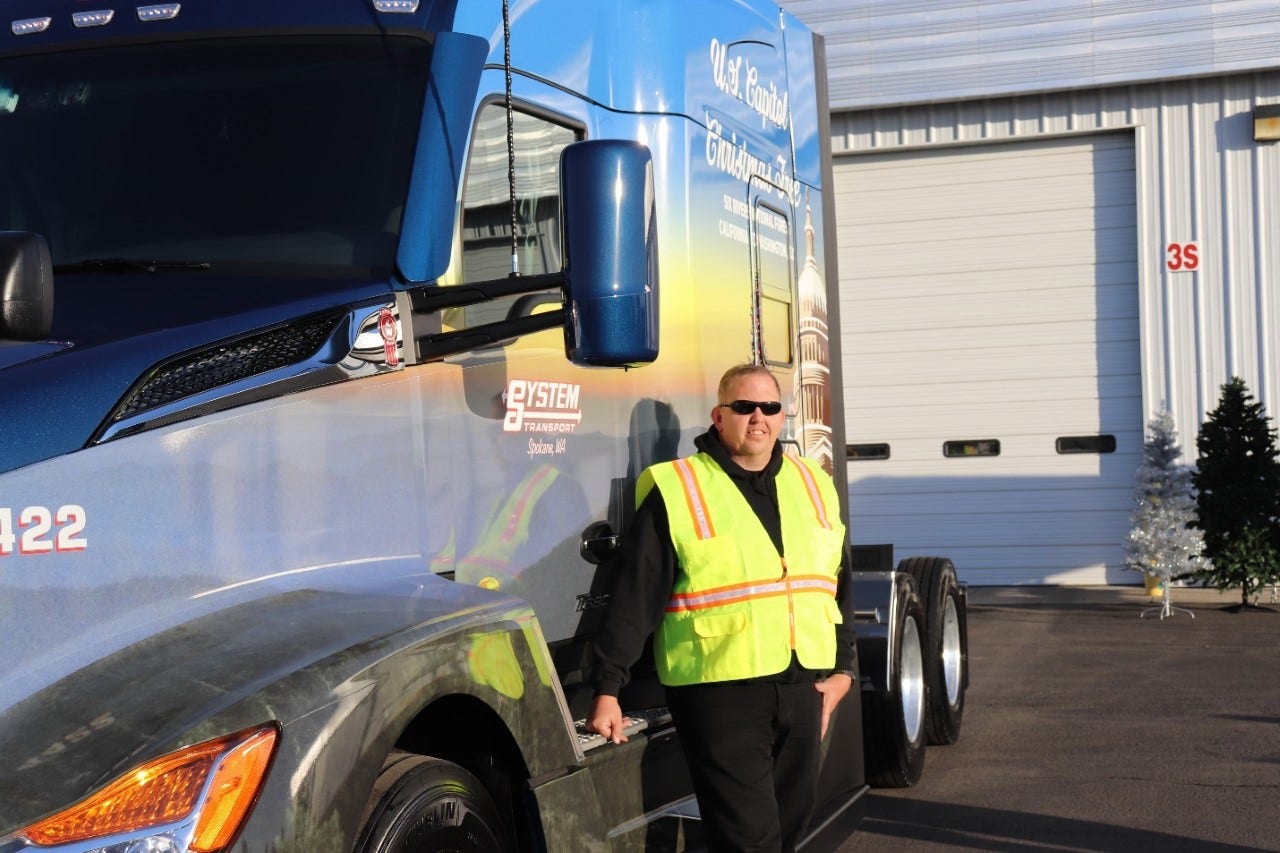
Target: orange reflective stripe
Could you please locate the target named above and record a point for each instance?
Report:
(693, 497)
(791, 607)
(811, 485)
(739, 592)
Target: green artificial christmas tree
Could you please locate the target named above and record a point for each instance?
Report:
(1238, 479)
(1163, 540)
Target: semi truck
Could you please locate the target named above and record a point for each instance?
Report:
(333, 337)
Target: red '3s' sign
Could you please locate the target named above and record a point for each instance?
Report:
(1182, 257)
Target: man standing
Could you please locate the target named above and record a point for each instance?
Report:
(736, 561)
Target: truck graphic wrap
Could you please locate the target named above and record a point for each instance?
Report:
(302, 488)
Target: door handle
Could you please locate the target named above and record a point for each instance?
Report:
(599, 542)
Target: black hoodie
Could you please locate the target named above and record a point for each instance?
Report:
(645, 574)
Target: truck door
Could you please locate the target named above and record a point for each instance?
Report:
(537, 456)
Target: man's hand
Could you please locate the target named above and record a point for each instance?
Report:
(833, 688)
(606, 719)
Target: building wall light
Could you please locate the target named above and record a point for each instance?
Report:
(1266, 123)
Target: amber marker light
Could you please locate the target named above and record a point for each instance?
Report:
(218, 780)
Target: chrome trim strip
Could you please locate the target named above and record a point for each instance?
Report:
(685, 807)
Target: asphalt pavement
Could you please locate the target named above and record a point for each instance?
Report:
(1089, 728)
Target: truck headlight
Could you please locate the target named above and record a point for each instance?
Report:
(199, 795)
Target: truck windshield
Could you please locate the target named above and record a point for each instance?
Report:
(251, 155)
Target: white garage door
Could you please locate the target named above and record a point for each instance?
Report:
(990, 335)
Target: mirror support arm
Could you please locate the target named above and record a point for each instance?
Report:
(458, 295)
(432, 347)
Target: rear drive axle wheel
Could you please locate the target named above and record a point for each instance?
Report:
(893, 721)
(946, 645)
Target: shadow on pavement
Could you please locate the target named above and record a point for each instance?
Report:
(1088, 728)
(976, 828)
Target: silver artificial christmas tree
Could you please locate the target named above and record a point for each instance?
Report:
(1162, 541)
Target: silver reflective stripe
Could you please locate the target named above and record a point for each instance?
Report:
(802, 583)
(723, 595)
(744, 592)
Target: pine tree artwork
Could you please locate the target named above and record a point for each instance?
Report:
(1238, 502)
(1163, 540)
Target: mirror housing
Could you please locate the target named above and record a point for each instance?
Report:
(457, 60)
(26, 286)
(611, 274)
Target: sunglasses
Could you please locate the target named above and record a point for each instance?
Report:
(746, 407)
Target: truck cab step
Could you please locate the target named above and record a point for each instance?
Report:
(635, 722)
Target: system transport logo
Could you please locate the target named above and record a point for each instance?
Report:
(537, 406)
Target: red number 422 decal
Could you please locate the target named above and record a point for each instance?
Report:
(40, 531)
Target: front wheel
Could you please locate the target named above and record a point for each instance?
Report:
(426, 805)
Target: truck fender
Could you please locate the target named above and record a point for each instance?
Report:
(894, 694)
(877, 598)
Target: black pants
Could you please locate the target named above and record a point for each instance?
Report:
(752, 750)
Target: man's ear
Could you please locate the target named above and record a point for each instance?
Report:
(717, 414)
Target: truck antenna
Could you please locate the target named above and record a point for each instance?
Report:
(511, 142)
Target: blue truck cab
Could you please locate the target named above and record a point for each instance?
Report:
(333, 337)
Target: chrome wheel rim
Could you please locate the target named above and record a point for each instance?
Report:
(911, 681)
(952, 658)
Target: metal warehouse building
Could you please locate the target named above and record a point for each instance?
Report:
(1055, 218)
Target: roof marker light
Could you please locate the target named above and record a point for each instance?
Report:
(93, 19)
(161, 12)
(30, 25)
(402, 7)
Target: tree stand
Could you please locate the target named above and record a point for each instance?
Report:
(1167, 608)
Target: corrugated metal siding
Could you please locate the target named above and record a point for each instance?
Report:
(1200, 176)
(892, 52)
(989, 292)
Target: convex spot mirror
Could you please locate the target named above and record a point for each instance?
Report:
(26, 286)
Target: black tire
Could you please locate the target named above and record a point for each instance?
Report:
(426, 805)
(893, 721)
(946, 645)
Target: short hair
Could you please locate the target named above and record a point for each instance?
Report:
(738, 371)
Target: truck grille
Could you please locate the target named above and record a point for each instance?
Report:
(220, 365)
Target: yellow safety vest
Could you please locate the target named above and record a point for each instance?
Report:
(737, 608)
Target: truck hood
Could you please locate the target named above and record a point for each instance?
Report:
(277, 658)
(16, 352)
(109, 330)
